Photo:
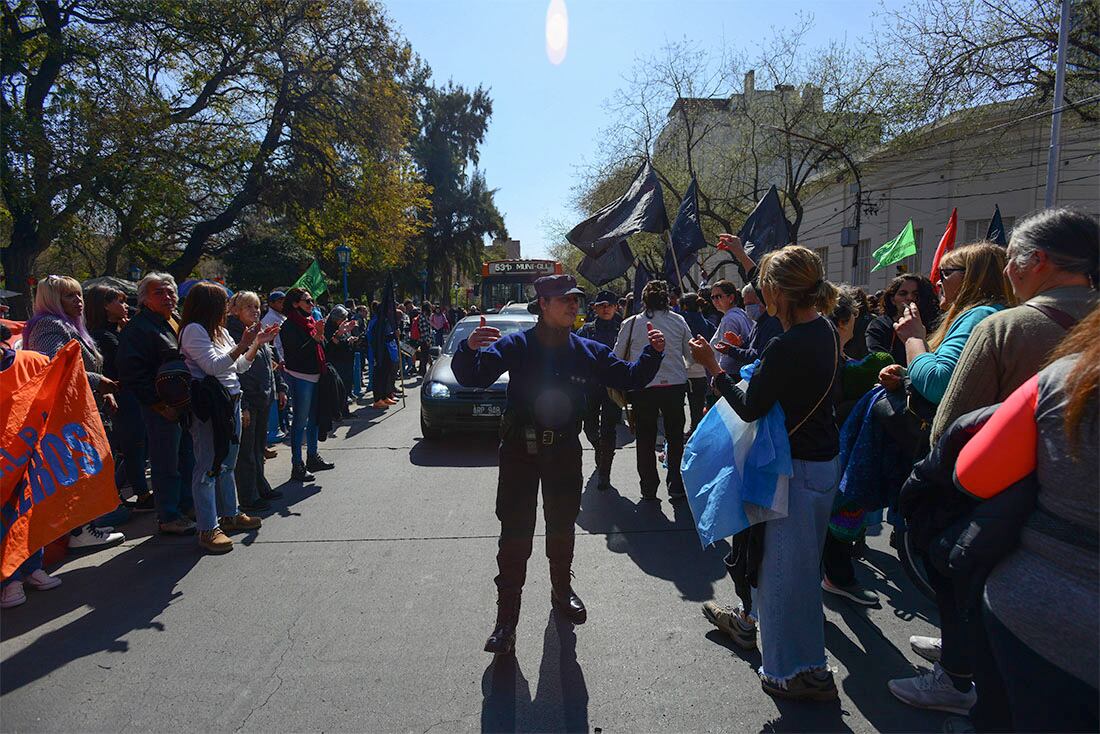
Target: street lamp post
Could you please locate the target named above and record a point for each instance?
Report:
(343, 255)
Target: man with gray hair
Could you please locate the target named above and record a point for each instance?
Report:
(147, 343)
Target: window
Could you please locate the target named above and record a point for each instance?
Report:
(861, 262)
(823, 253)
(976, 228)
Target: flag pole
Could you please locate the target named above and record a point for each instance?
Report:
(675, 260)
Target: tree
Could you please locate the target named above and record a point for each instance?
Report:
(452, 126)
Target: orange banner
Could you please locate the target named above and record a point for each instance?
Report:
(56, 469)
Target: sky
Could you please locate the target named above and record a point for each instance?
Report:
(547, 118)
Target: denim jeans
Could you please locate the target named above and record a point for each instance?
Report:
(787, 601)
(172, 461)
(304, 425)
(356, 386)
(273, 422)
(29, 566)
(214, 496)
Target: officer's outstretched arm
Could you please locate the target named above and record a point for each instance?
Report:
(481, 367)
(614, 372)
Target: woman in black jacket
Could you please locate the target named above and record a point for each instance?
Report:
(304, 362)
(904, 289)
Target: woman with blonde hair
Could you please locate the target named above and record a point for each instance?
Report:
(799, 371)
(972, 287)
(57, 320)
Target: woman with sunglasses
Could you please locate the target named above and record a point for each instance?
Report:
(303, 341)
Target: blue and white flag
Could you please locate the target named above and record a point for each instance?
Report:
(735, 473)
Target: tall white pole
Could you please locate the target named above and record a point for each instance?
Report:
(1056, 116)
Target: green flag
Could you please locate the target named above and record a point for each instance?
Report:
(899, 248)
(313, 280)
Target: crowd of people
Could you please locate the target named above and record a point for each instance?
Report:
(963, 412)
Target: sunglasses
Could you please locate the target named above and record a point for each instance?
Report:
(948, 272)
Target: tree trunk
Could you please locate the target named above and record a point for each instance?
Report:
(18, 261)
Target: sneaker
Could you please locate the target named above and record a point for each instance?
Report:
(729, 620)
(933, 690)
(270, 453)
(90, 538)
(42, 581)
(12, 595)
(143, 503)
(929, 648)
(114, 518)
(240, 521)
(809, 685)
(381, 405)
(851, 592)
(179, 526)
(215, 541)
(298, 473)
(316, 463)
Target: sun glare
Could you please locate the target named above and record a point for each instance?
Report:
(557, 31)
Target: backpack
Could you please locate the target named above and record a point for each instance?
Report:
(173, 384)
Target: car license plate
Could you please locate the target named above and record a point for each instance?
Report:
(487, 410)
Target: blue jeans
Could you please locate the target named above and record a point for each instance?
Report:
(171, 459)
(787, 600)
(356, 386)
(273, 423)
(214, 496)
(302, 394)
(29, 566)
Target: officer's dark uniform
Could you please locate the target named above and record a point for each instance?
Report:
(604, 414)
(547, 398)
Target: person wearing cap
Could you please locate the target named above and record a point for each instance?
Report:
(604, 414)
(275, 315)
(552, 371)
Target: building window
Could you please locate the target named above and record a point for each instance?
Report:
(823, 253)
(861, 263)
(976, 228)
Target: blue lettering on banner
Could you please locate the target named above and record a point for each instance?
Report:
(52, 462)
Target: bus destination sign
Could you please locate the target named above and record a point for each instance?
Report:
(521, 267)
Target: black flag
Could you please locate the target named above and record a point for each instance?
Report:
(996, 231)
(687, 236)
(767, 227)
(608, 266)
(640, 209)
(641, 277)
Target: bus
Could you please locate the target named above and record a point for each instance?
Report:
(512, 281)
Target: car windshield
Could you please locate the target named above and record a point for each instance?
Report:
(462, 331)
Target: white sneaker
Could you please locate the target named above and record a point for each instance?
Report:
(12, 595)
(929, 648)
(42, 581)
(90, 538)
(933, 690)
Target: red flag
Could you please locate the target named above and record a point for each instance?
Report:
(947, 244)
(56, 469)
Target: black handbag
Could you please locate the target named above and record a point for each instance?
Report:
(906, 416)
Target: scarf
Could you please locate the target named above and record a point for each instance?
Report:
(309, 325)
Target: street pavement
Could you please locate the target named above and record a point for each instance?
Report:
(364, 601)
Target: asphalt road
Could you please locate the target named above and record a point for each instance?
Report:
(364, 602)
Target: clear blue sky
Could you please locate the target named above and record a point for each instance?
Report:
(546, 118)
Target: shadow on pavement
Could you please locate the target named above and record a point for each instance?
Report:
(892, 584)
(660, 547)
(559, 704)
(457, 449)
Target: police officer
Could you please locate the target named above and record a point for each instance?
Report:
(551, 373)
(604, 414)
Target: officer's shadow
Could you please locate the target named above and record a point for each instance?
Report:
(561, 700)
(661, 547)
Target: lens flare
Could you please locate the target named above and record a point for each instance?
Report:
(557, 31)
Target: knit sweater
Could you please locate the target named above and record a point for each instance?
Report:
(1005, 350)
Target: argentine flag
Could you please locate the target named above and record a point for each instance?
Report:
(736, 473)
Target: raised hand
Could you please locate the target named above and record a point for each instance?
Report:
(249, 335)
(729, 337)
(482, 336)
(266, 336)
(703, 354)
(891, 376)
(655, 336)
(730, 243)
(910, 326)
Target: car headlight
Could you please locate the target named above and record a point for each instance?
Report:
(438, 390)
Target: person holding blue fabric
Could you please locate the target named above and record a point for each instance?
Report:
(799, 371)
(552, 373)
(972, 287)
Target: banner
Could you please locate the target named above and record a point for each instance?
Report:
(56, 468)
(612, 264)
(640, 209)
(313, 280)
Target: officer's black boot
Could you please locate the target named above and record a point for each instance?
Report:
(503, 639)
(562, 596)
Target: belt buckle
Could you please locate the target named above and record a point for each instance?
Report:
(547, 438)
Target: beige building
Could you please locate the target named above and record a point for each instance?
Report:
(1001, 160)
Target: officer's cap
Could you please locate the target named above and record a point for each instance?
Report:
(605, 297)
(554, 286)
